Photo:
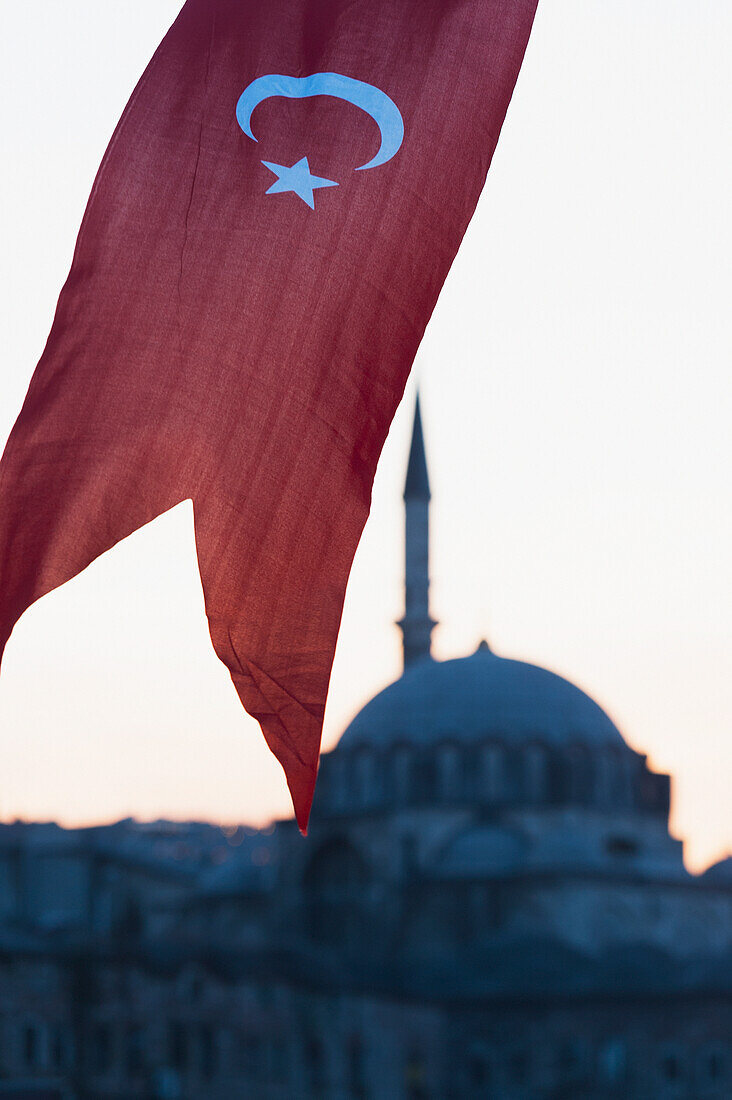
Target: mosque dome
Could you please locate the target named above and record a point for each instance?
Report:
(481, 698)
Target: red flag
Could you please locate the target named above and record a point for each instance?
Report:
(263, 247)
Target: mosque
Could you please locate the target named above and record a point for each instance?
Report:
(489, 905)
(493, 771)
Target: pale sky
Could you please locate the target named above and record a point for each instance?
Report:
(577, 403)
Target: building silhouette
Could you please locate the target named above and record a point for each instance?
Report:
(489, 905)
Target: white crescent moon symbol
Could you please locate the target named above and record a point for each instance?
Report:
(370, 99)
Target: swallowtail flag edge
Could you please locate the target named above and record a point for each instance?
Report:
(263, 247)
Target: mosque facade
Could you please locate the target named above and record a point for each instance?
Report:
(489, 905)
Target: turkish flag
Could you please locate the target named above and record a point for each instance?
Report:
(262, 249)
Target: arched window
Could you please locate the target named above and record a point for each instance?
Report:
(714, 1064)
(367, 778)
(424, 778)
(672, 1064)
(479, 1068)
(514, 775)
(581, 780)
(315, 1067)
(401, 765)
(128, 922)
(450, 772)
(277, 1052)
(536, 768)
(31, 1045)
(622, 846)
(178, 1046)
(102, 1049)
(208, 1052)
(559, 778)
(388, 777)
(250, 1056)
(60, 1047)
(134, 1050)
(479, 1071)
(612, 779)
(415, 1076)
(628, 779)
(492, 773)
(570, 1060)
(519, 1066)
(356, 1068)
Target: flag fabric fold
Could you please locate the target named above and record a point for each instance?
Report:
(263, 247)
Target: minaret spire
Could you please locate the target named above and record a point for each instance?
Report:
(417, 625)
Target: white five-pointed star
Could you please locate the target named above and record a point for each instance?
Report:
(298, 179)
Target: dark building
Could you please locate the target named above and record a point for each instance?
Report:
(489, 905)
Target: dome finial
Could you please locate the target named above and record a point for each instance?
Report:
(484, 647)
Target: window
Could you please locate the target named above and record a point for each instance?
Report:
(479, 1071)
(315, 1066)
(278, 1060)
(493, 773)
(356, 1068)
(518, 1066)
(613, 778)
(581, 776)
(494, 910)
(560, 779)
(191, 986)
(570, 1059)
(102, 1049)
(621, 846)
(128, 922)
(207, 1043)
(177, 1046)
(536, 768)
(671, 1067)
(450, 772)
(30, 1045)
(402, 763)
(415, 1076)
(250, 1056)
(134, 1050)
(60, 1048)
(715, 1065)
(425, 779)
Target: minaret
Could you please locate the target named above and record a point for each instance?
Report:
(417, 626)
